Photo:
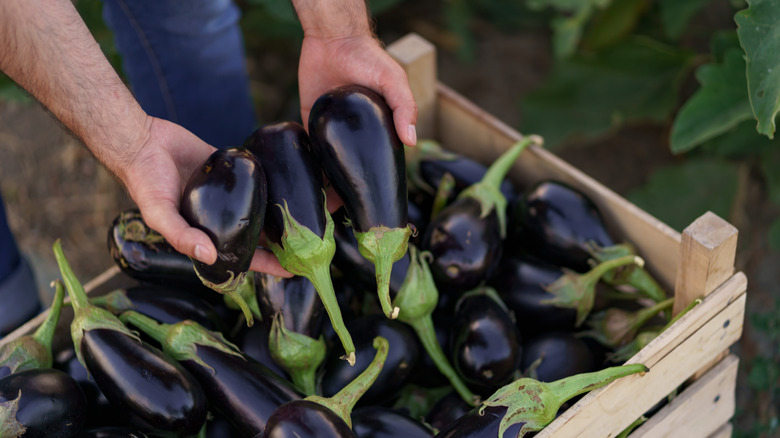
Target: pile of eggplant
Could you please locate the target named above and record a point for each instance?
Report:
(435, 298)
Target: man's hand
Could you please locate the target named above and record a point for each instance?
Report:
(155, 179)
(339, 48)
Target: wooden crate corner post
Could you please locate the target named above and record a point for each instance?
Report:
(417, 56)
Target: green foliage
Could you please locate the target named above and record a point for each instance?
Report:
(680, 193)
(676, 14)
(590, 93)
(758, 27)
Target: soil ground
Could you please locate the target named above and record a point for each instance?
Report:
(53, 188)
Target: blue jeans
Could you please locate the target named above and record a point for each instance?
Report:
(185, 62)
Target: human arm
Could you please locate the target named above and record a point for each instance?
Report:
(340, 48)
(48, 50)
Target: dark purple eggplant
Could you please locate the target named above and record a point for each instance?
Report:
(556, 355)
(399, 365)
(521, 282)
(165, 304)
(34, 350)
(253, 342)
(112, 432)
(382, 422)
(353, 137)
(239, 389)
(298, 227)
(326, 417)
(226, 199)
(143, 254)
(41, 402)
(528, 405)
(447, 410)
(132, 374)
(294, 314)
(417, 299)
(466, 237)
(486, 344)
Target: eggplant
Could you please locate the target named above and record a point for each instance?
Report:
(253, 343)
(398, 367)
(382, 422)
(112, 432)
(239, 389)
(466, 237)
(131, 373)
(226, 199)
(143, 254)
(615, 327)
(34, 350)
(528, 405)
(294, 313)
(447, 410)
(326, 417)
(353, 137)
(41, 402)
(298, 227)
(556, 355)
(486, 344)
(165, 304)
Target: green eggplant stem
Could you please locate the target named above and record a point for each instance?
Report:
(443, 192)
(572, 386)
(152, 328)
(44, 334)
(384, 246)
(320, 278)
(599, 270)
(344, 401)
(500, 167)
(232, 287)
(78, 296)
(425, 331)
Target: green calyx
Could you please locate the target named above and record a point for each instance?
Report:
(34, 351)
(384, 246)
(631, 275)
(298, 354)
(115, 301)
(344, 401)
(181, 340)
(304, 253)
(577, 291)
(247, 292)
(615, 327)
(86, 316)
(416, 299)
(488, 190)
(535, 404)
(231, 287)
(9, 425)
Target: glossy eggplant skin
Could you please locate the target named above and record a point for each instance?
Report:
(292, 175)
(295, 298)
(382, 422)
(112, 432)
(520, 282)
(486, 345)
(137, 377)
(51, 402)
(480, 423)
(466, 249)
(304, 418)
(145, 255)
(253, 343)
(398, 368)
(464, 171)
(244, 392)
(447, 410)
(556, 222)
(353, 136)
(170, 305)
(563, 354)
(226, 199)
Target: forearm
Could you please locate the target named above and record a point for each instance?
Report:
(332, 19)
(48, 50)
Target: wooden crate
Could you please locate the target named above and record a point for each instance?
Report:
(693, 353)
(699, 262)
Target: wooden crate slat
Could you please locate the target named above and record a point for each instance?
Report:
(609, 410)
(701, 409)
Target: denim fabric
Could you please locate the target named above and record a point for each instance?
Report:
(185, 62)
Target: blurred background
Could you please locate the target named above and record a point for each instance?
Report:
(649, 97)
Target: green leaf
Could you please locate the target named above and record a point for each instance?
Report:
(566, 5)
(590, 93)
(680, 193)
(613, 23)
(569, 25)
(739, 142)
(10, 92)
(675, 14)
(758, 28)
(717, 106)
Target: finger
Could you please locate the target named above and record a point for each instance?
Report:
(265, 261)
(166, 220)
(400, 99)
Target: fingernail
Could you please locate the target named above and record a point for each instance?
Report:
(201, 253)
(412, 132)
